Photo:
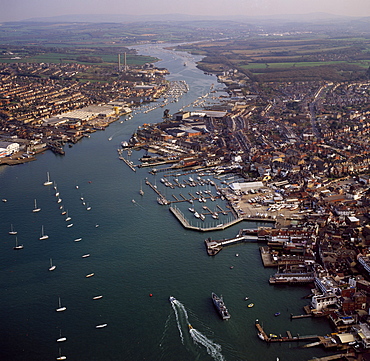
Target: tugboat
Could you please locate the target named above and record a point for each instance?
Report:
(220, 306)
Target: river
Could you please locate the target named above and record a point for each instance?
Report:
(139, 256)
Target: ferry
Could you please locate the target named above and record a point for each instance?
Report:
(220, 306)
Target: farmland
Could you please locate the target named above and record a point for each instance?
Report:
(288, 57)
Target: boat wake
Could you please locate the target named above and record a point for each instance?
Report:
(180, 312)
(212, 348)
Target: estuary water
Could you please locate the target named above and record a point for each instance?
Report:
(139, 256)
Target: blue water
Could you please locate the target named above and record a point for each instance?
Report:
(138, 250)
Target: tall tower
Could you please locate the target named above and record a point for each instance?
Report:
(119, 62)
(125, 63)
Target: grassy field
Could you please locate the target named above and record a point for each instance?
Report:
(282, 58)
(302, 64)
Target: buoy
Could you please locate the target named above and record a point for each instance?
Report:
(150, 294)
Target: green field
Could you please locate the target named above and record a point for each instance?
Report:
(251, 66)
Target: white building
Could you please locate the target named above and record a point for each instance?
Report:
(246, 186)
(8, 148)
(320, 302)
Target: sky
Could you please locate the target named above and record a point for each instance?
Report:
(15, 10)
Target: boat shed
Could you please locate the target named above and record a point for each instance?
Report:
(346, 338)
(8, 148)
(246, 186)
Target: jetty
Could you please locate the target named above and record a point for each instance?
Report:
(185, 223)
(213, 247)
(339, 356)
(279, 338)
(128, 162)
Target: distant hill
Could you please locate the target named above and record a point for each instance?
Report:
(123, 18)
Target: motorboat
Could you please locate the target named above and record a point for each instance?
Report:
(102, 325)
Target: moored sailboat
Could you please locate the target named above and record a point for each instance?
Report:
(48, 182)
(52, 268)
(17, 246)
(12, 231)
(141, 192)
(61, 339)
(60, 307)
(61, 357)
(43, 236)
(36, 209)
(68, 218)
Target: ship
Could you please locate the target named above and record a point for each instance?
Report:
(220, 306)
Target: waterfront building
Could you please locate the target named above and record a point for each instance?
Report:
(8, 148)
(320, 301)
(363, 332)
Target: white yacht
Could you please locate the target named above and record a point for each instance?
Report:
(36, 209)
(60, 307)
(43, 236)
(48, 182)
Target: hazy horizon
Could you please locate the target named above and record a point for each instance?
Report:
(17, 10)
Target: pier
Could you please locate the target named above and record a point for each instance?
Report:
(339, 356)
(129, 163)
(274, 338)
(244, 235)
(182, 219)
(213, 247)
